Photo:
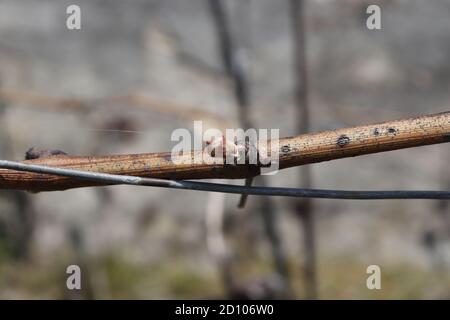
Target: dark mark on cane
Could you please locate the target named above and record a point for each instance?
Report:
(392, 130)
(285, 149)
(343, 141)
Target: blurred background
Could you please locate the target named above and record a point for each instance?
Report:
(139, 69)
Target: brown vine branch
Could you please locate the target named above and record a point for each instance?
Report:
(294, 151)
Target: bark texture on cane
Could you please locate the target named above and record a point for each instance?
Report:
(294, 151)
(361, 140)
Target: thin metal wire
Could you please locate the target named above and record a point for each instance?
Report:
(225, 188)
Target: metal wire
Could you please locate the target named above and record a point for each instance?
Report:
(225, 188)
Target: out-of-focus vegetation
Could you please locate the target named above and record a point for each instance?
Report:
(112, 276)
